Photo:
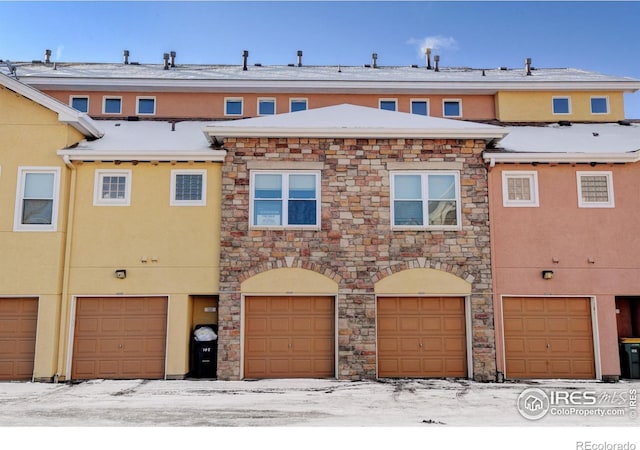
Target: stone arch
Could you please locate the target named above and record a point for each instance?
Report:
(422, 281)
(289, 280)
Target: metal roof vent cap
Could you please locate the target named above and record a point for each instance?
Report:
(428, 53)
(47, 56)
(245, 55)
(125, 56)
(165, 56)
(172, 54)
(299, 58)
(527, 66)
(436, 59)
(374, 60)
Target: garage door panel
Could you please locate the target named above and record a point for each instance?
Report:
(431, 331)
(557, 337)
(18, 324)
(119, 338)
(297, 335)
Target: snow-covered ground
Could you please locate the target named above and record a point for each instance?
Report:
(422, 414)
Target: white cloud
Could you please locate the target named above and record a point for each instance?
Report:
(434, 43)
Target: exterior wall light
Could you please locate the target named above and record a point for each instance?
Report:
(121, 273)
(547, 274)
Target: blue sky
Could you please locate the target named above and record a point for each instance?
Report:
(598, 36)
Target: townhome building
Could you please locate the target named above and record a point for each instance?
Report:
(175, 90)
(564, 215)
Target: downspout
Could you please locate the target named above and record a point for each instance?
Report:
(63, 332)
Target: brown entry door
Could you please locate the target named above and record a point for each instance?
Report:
(548, 338)
(119, 338)
(18, 319)
(289, 337)
(421, 337)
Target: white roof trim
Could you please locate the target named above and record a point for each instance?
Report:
(133, 155)
(80, 121)
(603, 158)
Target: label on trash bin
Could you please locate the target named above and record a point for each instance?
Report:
(205, 334)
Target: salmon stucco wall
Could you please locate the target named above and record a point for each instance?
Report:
(586, 248)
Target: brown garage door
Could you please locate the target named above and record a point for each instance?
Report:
(421, 337)
(119, 338)
(289, 337)
(18, 319)
(548, 338)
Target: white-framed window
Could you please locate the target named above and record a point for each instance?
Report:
(298, 104)
(595, 189)
(188, 187)
(388, 104)
(266, 106)
(145, 106)
(520, 188)
(285, 199)
(233, 106)
(111, 105)
(425, 200)
(452, 107)
(79, 103)
(37, 199)
(112, 187)
(561, 105)
(600, 105)
(420, 106)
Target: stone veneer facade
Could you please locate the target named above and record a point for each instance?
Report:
(356, 246)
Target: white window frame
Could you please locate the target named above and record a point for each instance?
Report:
(266, 99)
(234, 99)
(22, 177)
(561, 97)
(203, 200)
(585, 204)
(532, 177)
(445, 100)
(104, 104)
(97, 187)
(138, 113)
(73, 97)
(606, 99)
(421, 100)
(425, 200)
(299, 99)
(394, 100)
(285, 198)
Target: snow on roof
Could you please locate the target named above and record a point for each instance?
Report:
(202, 76)
(147, 140)
(595, 142)
(347, 120)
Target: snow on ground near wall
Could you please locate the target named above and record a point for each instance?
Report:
(366, 414)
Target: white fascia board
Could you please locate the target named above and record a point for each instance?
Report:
(382, 133)
(80, 121)
(293, 85)
(160, 156)
(603, 158)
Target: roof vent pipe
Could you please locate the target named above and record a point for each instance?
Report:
(245, 55)
(428, 53)
(527, 65)
(299, 58)
(374, 60)
(47, 56)
(173, 58)
(165, 56)
(125, 56)
(436, 59)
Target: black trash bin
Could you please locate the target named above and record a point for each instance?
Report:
(630, 357)
(203, 360)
